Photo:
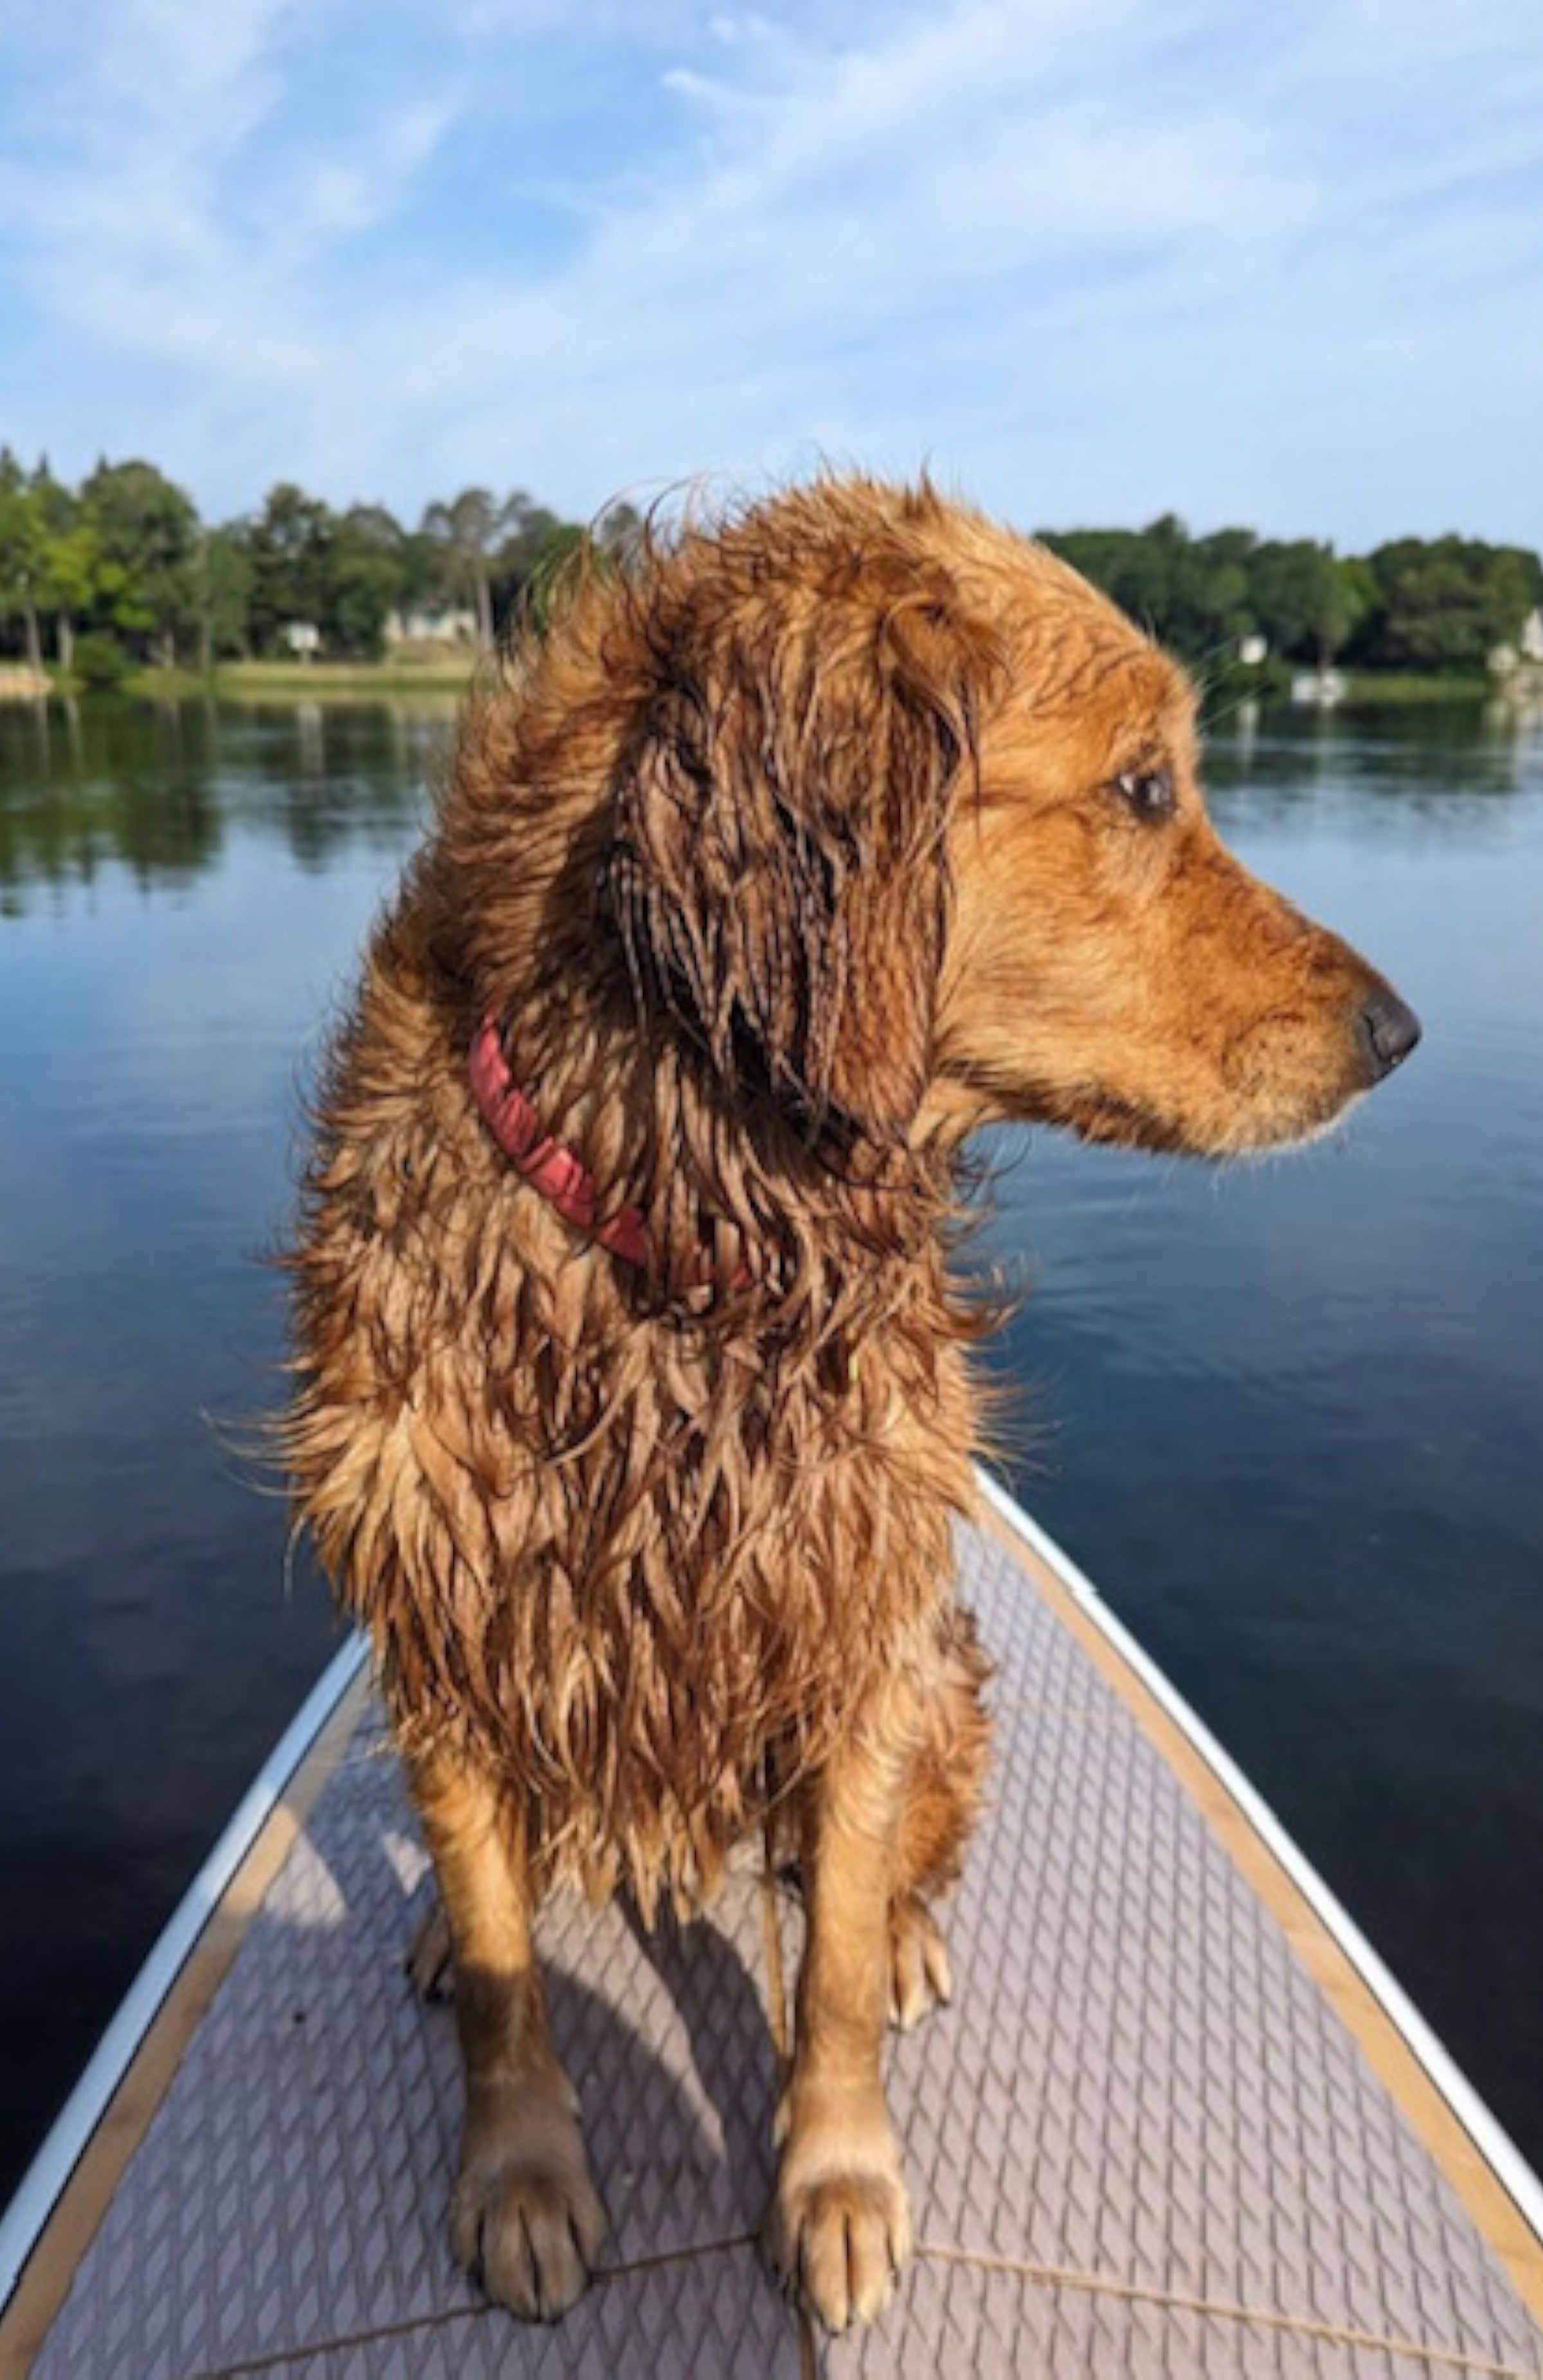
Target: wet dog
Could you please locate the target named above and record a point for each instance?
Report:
(634, 1400)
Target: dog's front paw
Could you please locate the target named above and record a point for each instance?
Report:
(840, 2227)
(920, 1978)
(528, 2229)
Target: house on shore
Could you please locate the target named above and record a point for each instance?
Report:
(449, 626)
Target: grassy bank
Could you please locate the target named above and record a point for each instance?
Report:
(295, 680)
(1416, 686)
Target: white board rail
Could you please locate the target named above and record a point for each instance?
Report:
(45, 2177)
(1500, 2152)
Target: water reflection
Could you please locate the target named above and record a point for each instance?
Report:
(159, 786)
(1441, 761)
(1288, 1417)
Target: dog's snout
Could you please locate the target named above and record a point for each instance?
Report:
(1389, 1032)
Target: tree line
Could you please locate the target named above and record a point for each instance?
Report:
(1442, 603)
(121, 572)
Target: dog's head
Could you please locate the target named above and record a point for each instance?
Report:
(909, 835)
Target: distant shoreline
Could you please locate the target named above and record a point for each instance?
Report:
(446, 680)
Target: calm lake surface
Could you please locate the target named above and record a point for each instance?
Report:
(1288, 1417)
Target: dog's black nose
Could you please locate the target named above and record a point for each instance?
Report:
(1389, 1031)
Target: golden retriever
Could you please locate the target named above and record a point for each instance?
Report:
(635, 1399)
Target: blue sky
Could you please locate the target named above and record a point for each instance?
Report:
(1089, 259)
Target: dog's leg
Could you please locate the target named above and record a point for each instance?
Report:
(941, 1801)
(839, 2224)
(941, 1796)
(920, 1976)
(523, 2218)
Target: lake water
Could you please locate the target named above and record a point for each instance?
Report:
(1288, 1417)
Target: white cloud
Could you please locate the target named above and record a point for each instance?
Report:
(1067, 244)
(145, 226)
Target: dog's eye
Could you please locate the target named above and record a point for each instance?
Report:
(1148, 791)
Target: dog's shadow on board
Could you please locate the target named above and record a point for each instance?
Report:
(678, 2130)
(723, 2016)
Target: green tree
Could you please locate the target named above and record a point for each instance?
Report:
(70, 560)
(146, 534)
(71, 576)
(290, 553)
(223, 579)
(1209, 604)
(465, 535)
(1445, 603)
(22, 543)
(1306, 602)
(371, 573)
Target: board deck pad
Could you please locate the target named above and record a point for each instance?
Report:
(1141, 2142)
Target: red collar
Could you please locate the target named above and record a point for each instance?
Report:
(563, 1179)
(561, 1176)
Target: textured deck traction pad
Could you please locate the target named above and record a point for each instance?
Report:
(1140, 2143)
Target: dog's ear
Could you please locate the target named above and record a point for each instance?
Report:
(780, 869)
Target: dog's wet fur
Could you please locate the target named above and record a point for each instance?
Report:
(784, 858)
